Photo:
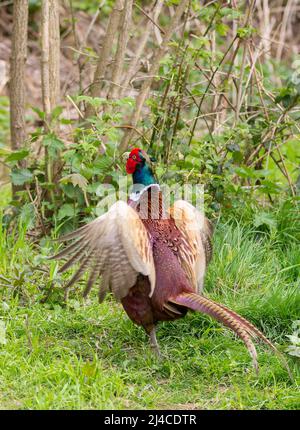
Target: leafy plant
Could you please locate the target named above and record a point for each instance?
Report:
(294, 348)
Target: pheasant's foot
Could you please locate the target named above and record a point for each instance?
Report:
(153, 343)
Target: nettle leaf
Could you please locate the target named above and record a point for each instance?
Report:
(92, 188)
(74, 193)
(293, 350)
(288, 96)
(54, 145)
(294, 339)
(39, 112)
(112, 134)
(237, 156)
(222, 29)
(93, 101)
(230, 13)
(27, 215)
(67, 211)
(73, 158)
(270, 187)
(232, 147)
(125, 101)
(245, 172)
(75, 179)
(3, 340)
(21, 176)
(102, 164)
(17, 155)
(66, 121)
(191, 162)
(265, 218)
(244, 32)
(56, 112)
(296, 326)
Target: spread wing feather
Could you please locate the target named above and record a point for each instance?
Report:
(195, 249)
(116, 246)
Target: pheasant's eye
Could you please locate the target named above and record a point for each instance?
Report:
(134, 157)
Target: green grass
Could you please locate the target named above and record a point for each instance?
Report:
(90, 356)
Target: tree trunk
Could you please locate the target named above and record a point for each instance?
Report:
(50, 44)
(54, 54)
(45, 68)
(17, 72)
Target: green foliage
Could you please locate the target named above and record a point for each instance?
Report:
(294, 348)
(69, 175)
(252, 160)
(21, 176)
(2, 333)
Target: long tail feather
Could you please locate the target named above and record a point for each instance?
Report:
(254, 332)
(251, 329)
(239, 325)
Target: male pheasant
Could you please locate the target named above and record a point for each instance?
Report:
(153, 259)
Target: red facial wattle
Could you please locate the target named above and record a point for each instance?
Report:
(131, 165)
(133, 160)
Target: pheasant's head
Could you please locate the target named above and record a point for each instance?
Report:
(137, 158)
(139, 165)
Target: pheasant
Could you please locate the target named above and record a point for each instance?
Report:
(152, 258)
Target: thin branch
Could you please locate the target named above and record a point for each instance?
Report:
(104, 55)
(207, 88)
(153, 70)
(153, 20)
(132, 70)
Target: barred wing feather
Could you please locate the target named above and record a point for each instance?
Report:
(116, 246)
(195, 249)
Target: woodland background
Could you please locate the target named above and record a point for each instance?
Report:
(211, 89)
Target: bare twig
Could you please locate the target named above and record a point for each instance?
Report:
(111, 32)
(207, 88)
(153, 20)
(286, 17)
(153, 70)
(239, 97)
(141, 46)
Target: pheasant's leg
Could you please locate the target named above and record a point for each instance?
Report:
(153, 342)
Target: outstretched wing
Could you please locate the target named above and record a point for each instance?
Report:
(195, 249)
(116, 246)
